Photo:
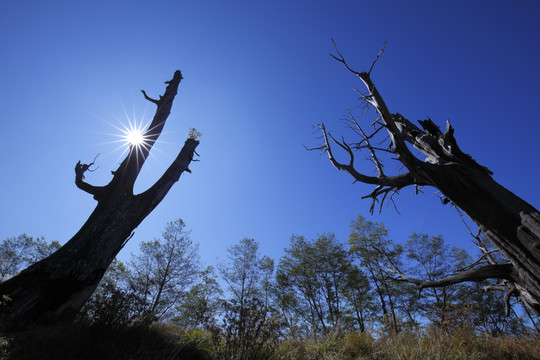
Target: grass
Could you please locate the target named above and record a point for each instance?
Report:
(430, 345)
(82, 342)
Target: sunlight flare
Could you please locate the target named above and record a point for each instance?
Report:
(132, 134)
(134, 137)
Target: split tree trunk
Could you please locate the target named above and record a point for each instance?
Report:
(60, 284)
(510, 223)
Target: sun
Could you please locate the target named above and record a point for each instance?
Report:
(132, 135)
(135, 137)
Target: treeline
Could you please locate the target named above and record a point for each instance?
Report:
(318, 287)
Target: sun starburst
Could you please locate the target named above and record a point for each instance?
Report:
(134, 135)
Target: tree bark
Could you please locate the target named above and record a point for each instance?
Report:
(510, 223)
(57, 286)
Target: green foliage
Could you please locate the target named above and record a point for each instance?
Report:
(242, 271)
(114, 307)
(376, 254)
(200, 303)
(247, 332)
(267, 283)
(160, 342)
(313, 276)
(325, 301)
(331, 347)
(245, 273)
(114, 304)
(163, 270)
(431, 258)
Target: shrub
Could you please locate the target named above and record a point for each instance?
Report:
(247, 333)
(113, 307)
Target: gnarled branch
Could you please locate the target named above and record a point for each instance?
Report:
(495, 271)
(80, 169)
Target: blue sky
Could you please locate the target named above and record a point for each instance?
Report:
(257, 77)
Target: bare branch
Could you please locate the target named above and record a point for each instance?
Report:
(80, 169)
(374, 158)
(341, 59)
(376, 58)
(399, 181)
(510, 289)
(492, 271)
(486, 254)
(507, 306)
(385, 184)
(149, 98)
(375, 99)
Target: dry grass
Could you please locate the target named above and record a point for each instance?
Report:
(431, 345)
(167, 342)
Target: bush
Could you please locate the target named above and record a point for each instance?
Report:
(247, 333)
(113, 307)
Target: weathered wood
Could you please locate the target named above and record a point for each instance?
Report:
(509, 222)
(60, 284)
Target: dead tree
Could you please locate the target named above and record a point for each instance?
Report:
(509, 222)
(60, 284)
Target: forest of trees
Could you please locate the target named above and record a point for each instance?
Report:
(318, 287)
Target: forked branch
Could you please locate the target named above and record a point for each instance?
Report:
(386, 185)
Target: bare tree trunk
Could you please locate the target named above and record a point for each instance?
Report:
(510, 223)
(60, 284)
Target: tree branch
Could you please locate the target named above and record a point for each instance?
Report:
(385, 184)
(131, 166)
(492, 271)
(161, 187)
(376, 58)
(157, 102)
(375, 99)
(398, 181)
(80, 169)
(366, 138)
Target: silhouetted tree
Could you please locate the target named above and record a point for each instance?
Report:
(163, 270)
(360, 300)
(431, 258)
(242, 274)
(313, 276)
(201, 303)
(509, 222)
(370, 244)
(60, 284)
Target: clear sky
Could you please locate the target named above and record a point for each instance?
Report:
(257, 77)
